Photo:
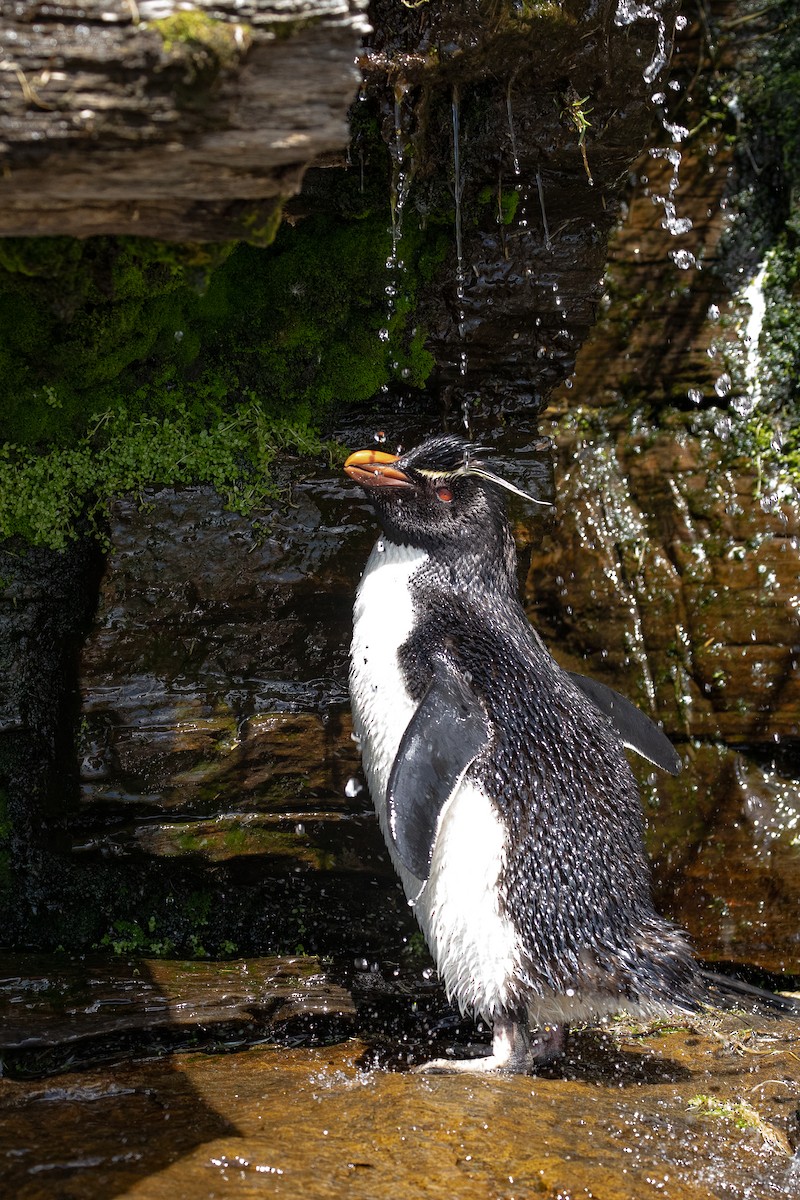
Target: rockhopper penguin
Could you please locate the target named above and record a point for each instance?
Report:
(500, 780)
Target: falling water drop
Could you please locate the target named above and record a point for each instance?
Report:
(458, 189)
(683, 259)
(540, 188)
(400, 183)
(722, 385)
(514, 155)
(458, 186)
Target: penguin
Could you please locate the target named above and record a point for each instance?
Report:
(500, 780)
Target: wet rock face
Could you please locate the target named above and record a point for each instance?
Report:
(153, 121)
(46, 606)
(518, 124)
(230, 632)
(215, 727)
(665, 569)
(726, 847)
(671, 569)
(665, 577)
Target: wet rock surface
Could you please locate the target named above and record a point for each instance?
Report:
(219, 795)
(692, 1113)
(153, 121)
(672, 569)
(88, 1010)
(520, 122)
(672, 562)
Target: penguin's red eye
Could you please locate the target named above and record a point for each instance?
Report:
(444, 494)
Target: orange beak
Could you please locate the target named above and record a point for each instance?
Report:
(374, 468)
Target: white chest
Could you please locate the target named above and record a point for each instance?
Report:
(383, 617)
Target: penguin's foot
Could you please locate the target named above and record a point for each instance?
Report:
(514, 1051)
(548, 1043)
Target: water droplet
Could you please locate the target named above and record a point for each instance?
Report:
(722, 385)
(695, 395)
(683, 259)
(354, 787)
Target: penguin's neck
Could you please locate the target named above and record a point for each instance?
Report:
(483, 564)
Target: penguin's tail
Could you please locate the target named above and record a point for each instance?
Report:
(727, 992)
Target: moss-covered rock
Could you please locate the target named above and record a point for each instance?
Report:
(128, 362)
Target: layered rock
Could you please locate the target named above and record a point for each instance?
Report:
(161, 121)
(669, 570)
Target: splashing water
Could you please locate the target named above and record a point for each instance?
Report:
(401, 173)
(683, 259)
(629, 11)
(754, 296)
(613, 521)
(671, 221)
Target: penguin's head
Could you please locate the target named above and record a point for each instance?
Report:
(439, 495)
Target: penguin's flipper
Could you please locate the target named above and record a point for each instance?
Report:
(442, 739)
(636, 729)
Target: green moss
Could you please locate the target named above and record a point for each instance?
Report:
(148, 937)
(190, 843)
(504, 203)
(520, 14)
(236, 839)
(742, 1114)
(262, 223)
(43, 495)
(130, 937)
(209, 44)
(780, 334)
(126, 362)
(143, 366)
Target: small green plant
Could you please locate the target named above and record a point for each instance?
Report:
(128, 937)
(575, 111)
(741, 1114)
